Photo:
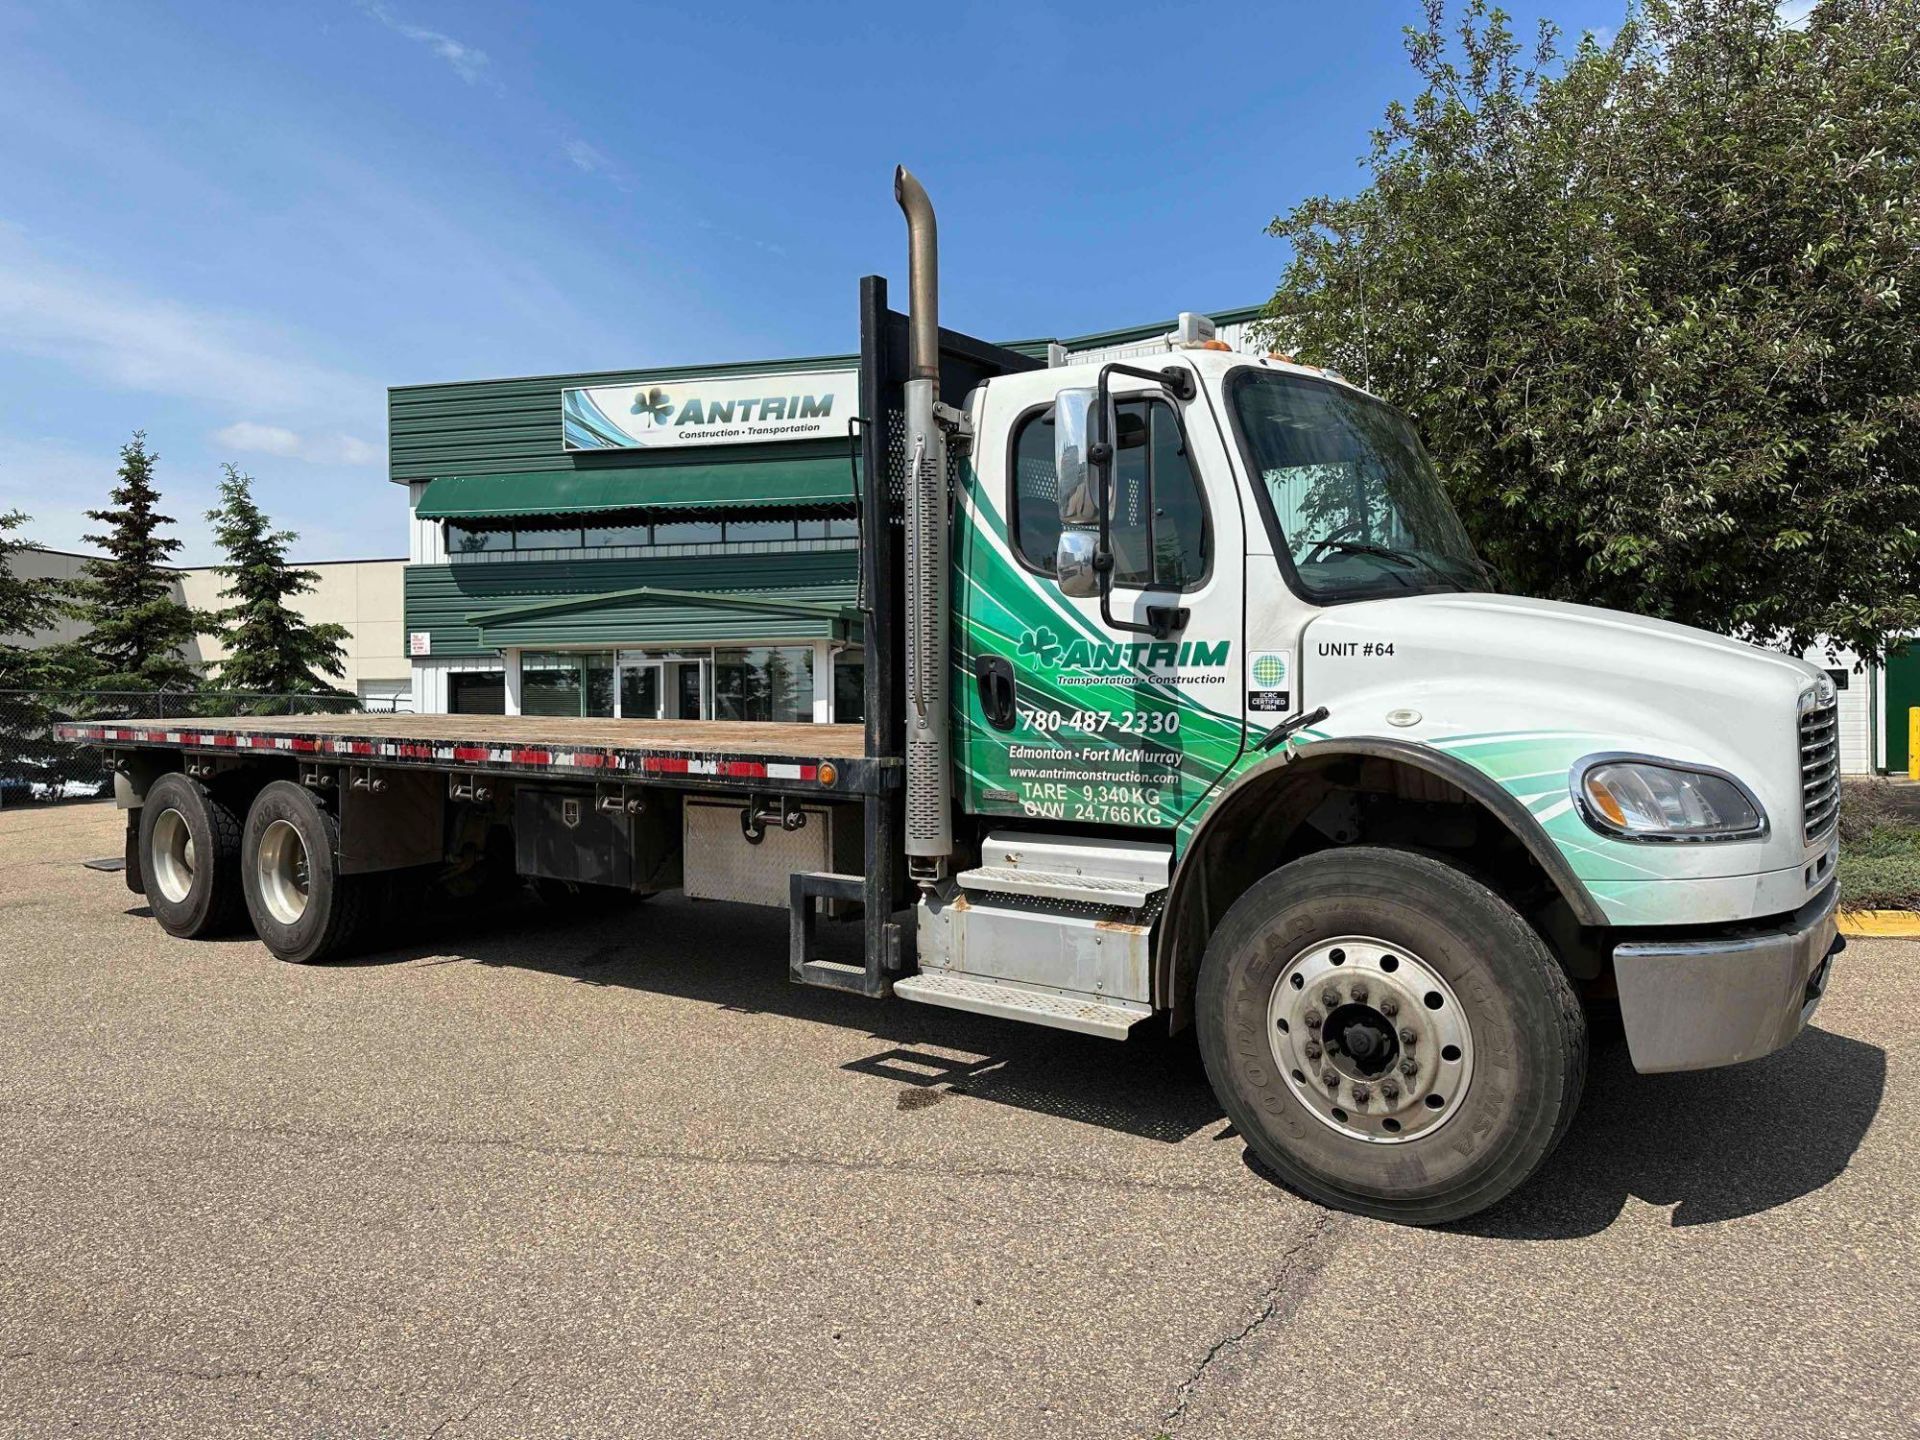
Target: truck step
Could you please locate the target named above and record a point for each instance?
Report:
(1057, 885)
(1124, 873)
(1087, 1014)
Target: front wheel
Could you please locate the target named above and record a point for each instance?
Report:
(1389, 1035)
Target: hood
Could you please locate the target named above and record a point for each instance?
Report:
(1524, 689)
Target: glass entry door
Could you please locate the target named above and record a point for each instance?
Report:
(641, 689)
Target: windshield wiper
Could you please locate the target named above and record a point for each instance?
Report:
(1411, 559)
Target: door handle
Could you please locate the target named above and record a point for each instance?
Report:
(995, 676)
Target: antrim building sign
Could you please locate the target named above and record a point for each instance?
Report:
(804, 405)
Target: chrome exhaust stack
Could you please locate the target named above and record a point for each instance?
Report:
(929, 831)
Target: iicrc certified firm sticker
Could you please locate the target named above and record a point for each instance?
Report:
(1267, 681)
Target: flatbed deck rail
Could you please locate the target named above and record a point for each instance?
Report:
(705, 755)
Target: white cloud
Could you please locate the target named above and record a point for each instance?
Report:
(127, 341)
(469, 63)
(251, 438)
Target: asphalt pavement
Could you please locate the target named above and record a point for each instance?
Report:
(514, 1177)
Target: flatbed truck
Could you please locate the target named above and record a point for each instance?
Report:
(1187, 703)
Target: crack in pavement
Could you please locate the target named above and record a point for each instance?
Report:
(1300, 1265)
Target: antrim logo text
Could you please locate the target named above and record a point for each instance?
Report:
(659, 410)
(1118, 659)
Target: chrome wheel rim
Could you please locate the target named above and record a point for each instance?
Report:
(173, 856)
(282, 870)
(1371, 1039)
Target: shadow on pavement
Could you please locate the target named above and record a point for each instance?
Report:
(1715, 1144)
(734, 957)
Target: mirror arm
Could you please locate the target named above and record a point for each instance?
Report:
(1162, 620)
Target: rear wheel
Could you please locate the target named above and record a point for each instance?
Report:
(1389, 1035)
(302, 906)
(189, 858)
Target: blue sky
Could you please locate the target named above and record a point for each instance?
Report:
(234, 224)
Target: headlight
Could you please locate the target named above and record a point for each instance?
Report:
(1632, 799)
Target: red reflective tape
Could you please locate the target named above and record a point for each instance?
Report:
(415, 752)
(299, 743)
(471, 752)
(743, 769)
(809, 772)
(664, 764)
(592, 760)
(532, 757)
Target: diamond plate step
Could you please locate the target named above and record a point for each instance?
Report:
(1086, 1014)
(1058, 885)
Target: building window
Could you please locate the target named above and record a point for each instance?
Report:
(463, 540)
(601, 536)
(849, 688)
(743, 530)
(564, 539)
(688, 532)
(576, 684)
(831, 529)
(766, 683)
(477, 692)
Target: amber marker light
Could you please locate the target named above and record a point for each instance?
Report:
(829, 772)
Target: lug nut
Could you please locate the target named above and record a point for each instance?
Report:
(1330, 997)
(1409, 1067)
(1359, 992)
(1312, 1019)
(1331, 1078)
(1407, 1037)
(1313, 1052)
(1390, 1091)
(1361, 1094)
(1389, 1008)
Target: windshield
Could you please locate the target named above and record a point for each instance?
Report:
(1349, 494)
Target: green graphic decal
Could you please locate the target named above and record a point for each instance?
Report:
(1269, 672)
(1109, 730)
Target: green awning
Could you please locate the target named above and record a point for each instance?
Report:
(814, 481)
(651, 614)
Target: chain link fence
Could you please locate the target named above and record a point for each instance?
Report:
(35, 765)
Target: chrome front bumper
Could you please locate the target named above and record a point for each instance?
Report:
(1691, 1004)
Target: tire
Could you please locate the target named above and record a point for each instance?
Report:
(303, 908)
(189, 859)
(1433, 955)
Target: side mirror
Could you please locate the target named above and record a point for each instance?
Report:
(1073, 564)
(1072, 434)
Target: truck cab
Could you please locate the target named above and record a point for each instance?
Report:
(1221, 646)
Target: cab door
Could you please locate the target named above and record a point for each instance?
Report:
(1065, 716)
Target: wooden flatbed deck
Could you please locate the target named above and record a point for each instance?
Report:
(701, 753)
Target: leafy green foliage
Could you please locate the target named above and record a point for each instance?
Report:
(137, 631)
(1650, 305)
(270, 647)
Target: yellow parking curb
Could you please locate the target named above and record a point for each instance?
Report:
(1894, 924)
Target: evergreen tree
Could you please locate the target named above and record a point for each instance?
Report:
(28, 750)
(26, 605)
(137, 630)
(271, 647)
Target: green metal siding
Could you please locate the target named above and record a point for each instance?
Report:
(810, 482)
(440, 598)
(493, 427)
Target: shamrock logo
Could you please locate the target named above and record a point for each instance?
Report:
(653, 406)
(1042, 642)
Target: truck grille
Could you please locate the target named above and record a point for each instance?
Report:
(1819, 766)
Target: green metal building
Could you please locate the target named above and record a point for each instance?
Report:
(674, 543)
